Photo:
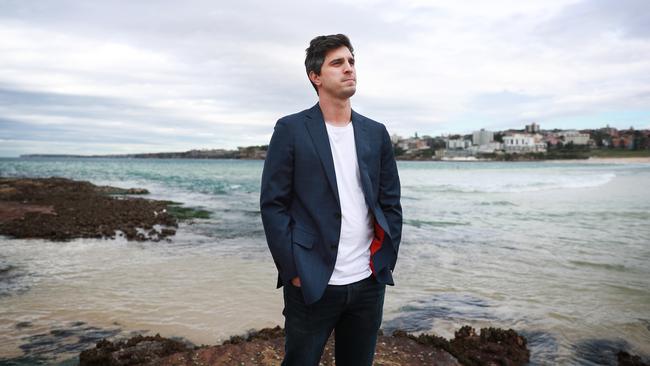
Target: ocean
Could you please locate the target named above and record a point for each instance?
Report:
(557, 251)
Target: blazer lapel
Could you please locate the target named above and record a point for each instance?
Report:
(318, 132)
(363, 149)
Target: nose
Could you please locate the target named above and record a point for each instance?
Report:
(348, 67)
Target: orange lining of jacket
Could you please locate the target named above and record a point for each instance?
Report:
(376, 243)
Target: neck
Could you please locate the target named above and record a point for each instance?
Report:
(338, 112)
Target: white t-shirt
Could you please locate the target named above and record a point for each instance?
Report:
(353, 258)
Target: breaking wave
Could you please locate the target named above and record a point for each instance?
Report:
(516, 183)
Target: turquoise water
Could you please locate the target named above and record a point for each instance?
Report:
(556, 251)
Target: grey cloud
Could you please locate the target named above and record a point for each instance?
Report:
(224, 46)
(588, 19)
(77, 106)
(19, 130)
(167, 23)
(17, 98)
(90, 117)
(231, 56)
(503, 99)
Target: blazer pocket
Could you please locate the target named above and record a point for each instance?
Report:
(303, 238)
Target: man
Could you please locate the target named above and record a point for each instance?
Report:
(330, 203)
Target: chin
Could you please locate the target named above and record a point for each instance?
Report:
(347, 93)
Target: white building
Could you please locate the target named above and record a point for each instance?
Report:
(457, 144)
(487, 148)
(482, 137)
(521, 143)
(576, 137)
(413, 143)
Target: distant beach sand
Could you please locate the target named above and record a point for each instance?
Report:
(592, 160)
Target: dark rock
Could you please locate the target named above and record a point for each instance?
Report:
(135, 351)
(22, 325)
(626, 359)
(64, 209)
(119, 191)
(167, 232)
(491, 347)
(265, 348)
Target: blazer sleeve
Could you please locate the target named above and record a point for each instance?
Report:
(389, 192)
(275, 199)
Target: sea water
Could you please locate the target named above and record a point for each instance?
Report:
(557, 251)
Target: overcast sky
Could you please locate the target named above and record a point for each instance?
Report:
(96, 77)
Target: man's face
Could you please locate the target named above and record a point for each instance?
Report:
(338, 77)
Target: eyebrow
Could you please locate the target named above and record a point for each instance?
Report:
(340, 59)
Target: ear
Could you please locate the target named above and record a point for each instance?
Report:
(314, 78)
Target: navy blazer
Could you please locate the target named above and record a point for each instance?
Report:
(300, 206)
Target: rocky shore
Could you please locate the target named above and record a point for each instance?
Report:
(64, 209)
(266, 347)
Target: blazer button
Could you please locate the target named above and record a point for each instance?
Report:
(334, 246)
(338, 215)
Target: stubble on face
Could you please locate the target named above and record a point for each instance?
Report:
(338, 74)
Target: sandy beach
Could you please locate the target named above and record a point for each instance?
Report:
(592, 160)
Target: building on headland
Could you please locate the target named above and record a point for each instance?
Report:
(533, 128)
(413, 143)
(488, 148)
(483, 144)
(457, 144)
(482, 137)
(575, 137)
(567, 137)
(630, 139)
(610, 131)
(623, 141)
(523, 143)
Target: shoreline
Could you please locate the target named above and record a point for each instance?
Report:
(622, 160)
(599, 160)
(590, 160)
(120, 196)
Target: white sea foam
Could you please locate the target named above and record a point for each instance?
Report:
(509, 182)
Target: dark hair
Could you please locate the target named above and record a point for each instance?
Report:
(318, 48)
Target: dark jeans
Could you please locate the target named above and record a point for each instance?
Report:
(353, 311)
